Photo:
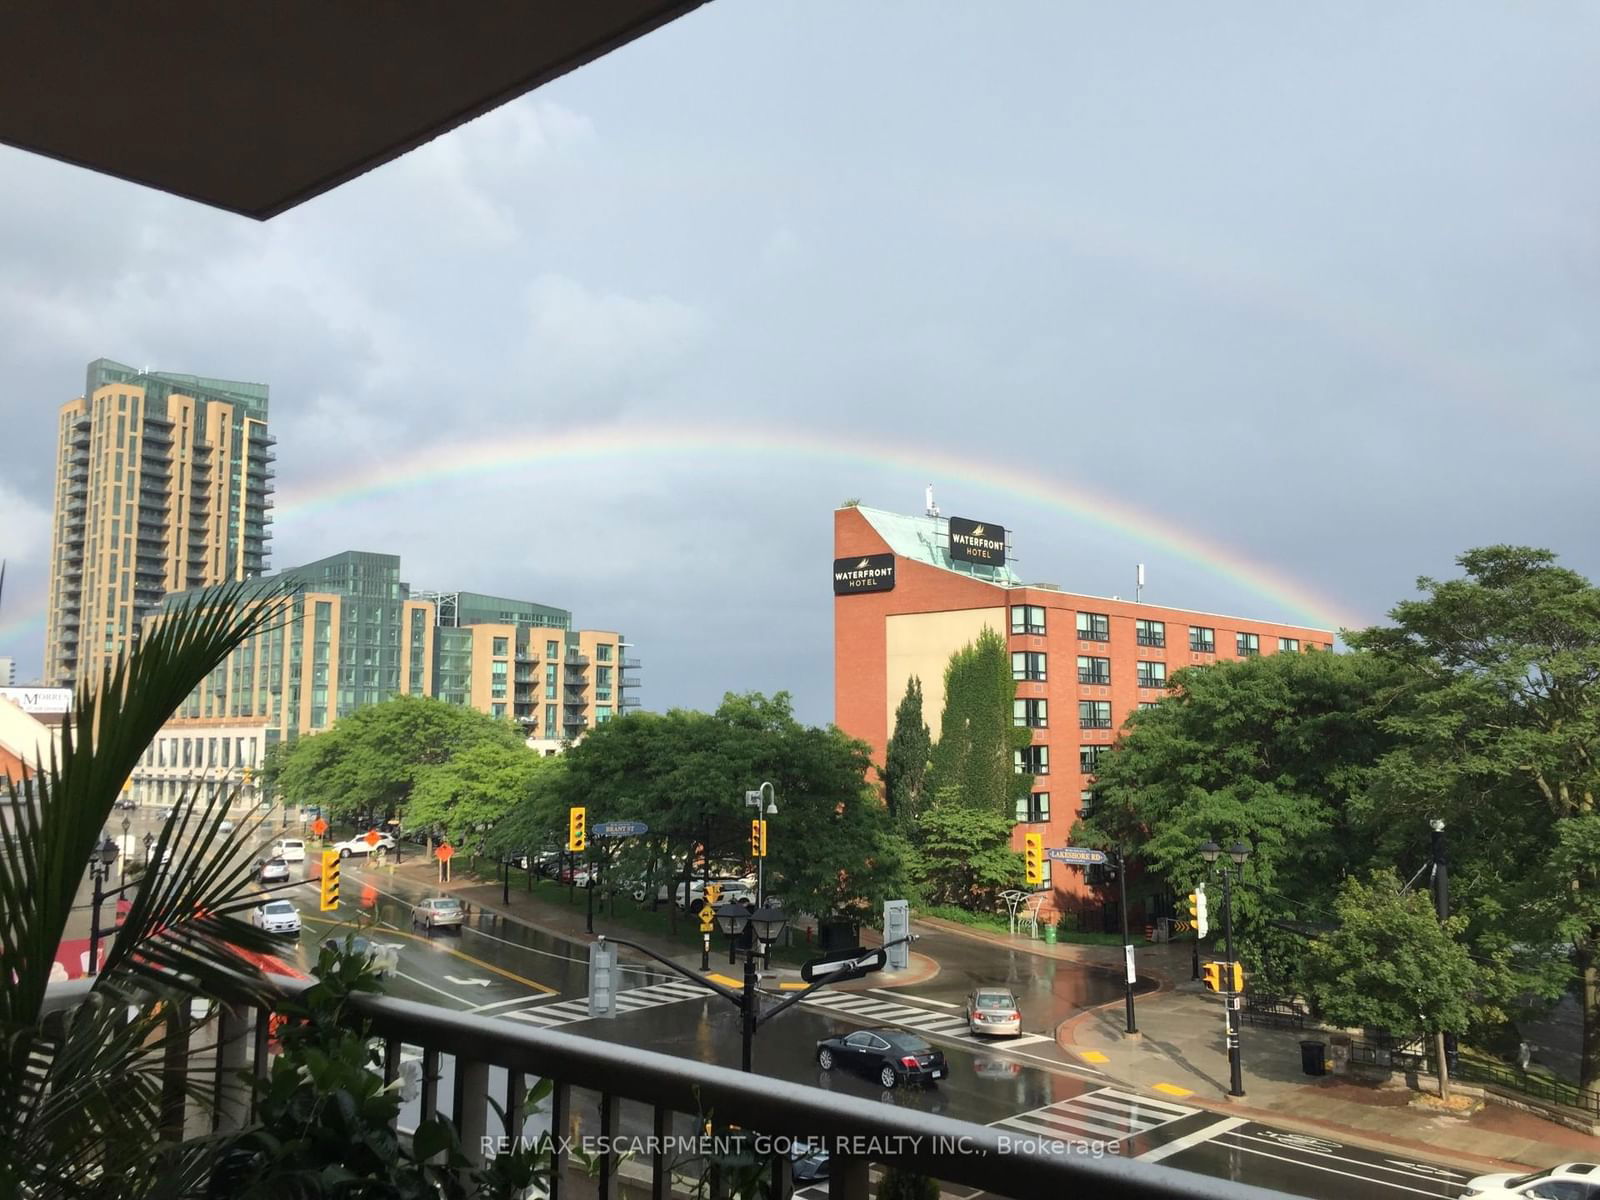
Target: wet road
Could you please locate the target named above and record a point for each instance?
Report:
(1027, 1087)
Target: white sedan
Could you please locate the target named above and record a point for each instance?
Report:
(1569, 1181)
(276, 916)
(358, 845)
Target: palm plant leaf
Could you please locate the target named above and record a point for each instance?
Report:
(83, 1090)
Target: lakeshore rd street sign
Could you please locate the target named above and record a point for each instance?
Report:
(619, 829)
(1078, 856)
(844, 964)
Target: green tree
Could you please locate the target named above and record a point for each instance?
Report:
(1267, 750)
(905, 763)
(963, 857)
(901, 1183)
(478, 786)
(1392, 964)
(972, 763)
(1497, 719)
(369, 761)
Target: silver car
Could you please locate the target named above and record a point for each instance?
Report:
(276, 916)
(272, 870)
(993, 1012)
(439, 912)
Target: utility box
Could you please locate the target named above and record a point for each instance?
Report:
(602, 980)
(897, 925)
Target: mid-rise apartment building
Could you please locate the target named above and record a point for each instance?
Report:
(357, 635)
(909, 591)
(163, 484)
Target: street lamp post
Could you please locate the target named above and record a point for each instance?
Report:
(767, 924)
(1238, 852)
(1127, 942)
(122, 857)
(99, 867)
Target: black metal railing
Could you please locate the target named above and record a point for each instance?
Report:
(1199, 647)
(1094, 635)
(1150, 681)
(1099, 677)
(1540, 1087)
(471, 1064)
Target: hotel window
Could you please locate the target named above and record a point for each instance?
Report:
(1150, 633)
(499, 711)
(602, 652)
(552, 649)
(602, 713)
(1288, 645)
(1034, 808)
(1030, 713)
(1153, 674)
(1031, 760)
(1027, 664)
(1044, 884)
(501, 647)
(1094, 714)
(1094, 627)
(549, 718)
(1089, 758)
(1086, 802)
(1144, 704)
(1027, 618)
(1247, 644)
(1202, 640)
(1094, 670)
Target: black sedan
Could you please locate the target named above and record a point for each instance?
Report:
(887, 1055)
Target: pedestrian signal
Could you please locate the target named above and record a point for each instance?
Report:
(1197, 910)
(329, 894)
(577, 830)
(1033, 857)
(758, 839)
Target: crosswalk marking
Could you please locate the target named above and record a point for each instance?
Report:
(1104, 1113)
(912, 1017)
(545, 1016)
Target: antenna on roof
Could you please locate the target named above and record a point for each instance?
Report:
(933, 509)
(1138, 586)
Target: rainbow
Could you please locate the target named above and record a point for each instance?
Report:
(435, 463)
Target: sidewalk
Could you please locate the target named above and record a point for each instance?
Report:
(1180, 1051)
(570, 921)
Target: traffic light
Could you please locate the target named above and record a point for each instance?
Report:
(329, 899)
(758, 839)
(1211, 972)
(1238, 978)
(577, 830)
(1033, 857)
(1197, 910)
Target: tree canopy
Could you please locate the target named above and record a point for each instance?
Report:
(972, 760)
(905, 762)
(369, 761)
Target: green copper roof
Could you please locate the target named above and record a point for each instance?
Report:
(927, 540)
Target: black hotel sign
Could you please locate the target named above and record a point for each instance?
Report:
(976, 542)
(871, 573)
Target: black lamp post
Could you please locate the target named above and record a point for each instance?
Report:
(99, 867)
(767, 925)
(122, 859)
(1238, 852)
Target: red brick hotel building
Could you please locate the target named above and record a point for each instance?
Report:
(911, 590)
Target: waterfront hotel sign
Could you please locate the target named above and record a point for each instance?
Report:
(870, 573)
(976, 542)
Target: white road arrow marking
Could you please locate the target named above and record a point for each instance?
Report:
(469, 982)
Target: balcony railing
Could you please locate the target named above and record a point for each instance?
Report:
(1150, 681)
(1199, 647)
(1099, 677)
(1094, 635)
(577, 660)
(623, 1093)
(1151, 639)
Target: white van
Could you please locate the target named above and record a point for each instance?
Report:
(289, 849)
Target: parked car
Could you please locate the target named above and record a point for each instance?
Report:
(164, 814)
(691, 895)
(289, 849)
(888, 1055)
(807, 1165)
(276, 916)
(439, 911)
(1569, 1181)
(272, 870)
(225, 827)
(992, 1012)
(384, 958)
(358, 845)
(578, 874)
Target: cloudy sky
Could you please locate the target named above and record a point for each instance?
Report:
(1290, 303)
